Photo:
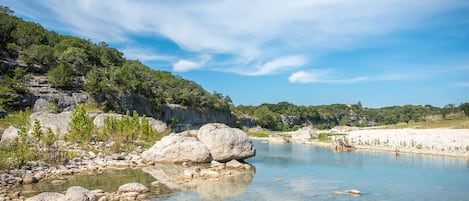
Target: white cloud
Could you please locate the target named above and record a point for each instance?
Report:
(278, 64)
(322, 76)
(255, 31)
(187, 65)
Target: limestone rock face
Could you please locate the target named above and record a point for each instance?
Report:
(47, 196)
(226, 143)
(132, 187)
(305, 133)
(157, 125)
(58, 123)
(177, 148)
(9, 135)
(77, 193)
(41, 105)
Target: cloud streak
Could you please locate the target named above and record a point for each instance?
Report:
(236, 28)
(188, 65)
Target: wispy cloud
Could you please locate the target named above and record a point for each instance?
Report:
(188, 65)
(237, 28)
(322, 76)
(278, 65)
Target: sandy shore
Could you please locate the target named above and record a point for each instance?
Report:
(442, 141)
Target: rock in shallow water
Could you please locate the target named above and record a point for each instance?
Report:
(176, 148)
(132, 187)
(226, 143)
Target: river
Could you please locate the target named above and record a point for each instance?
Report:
(305, 172)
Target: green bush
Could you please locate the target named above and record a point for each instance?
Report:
(81, 126)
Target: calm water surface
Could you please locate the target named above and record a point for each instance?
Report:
(305, 172)
(314, 173)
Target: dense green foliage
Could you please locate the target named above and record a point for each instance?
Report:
(28, 48)
(328, 116)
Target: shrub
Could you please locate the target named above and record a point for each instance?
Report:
(81, 126)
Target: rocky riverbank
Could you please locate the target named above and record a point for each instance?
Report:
(439, 142)
(221, 159)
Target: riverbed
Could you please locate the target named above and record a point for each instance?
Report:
(305, 172)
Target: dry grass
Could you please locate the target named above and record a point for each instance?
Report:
(455, 121)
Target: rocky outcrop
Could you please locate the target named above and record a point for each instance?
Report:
(189, 118)
(290, 120)
(226, 143)
(77, 193)
(248, 121)
(177, 148)
(303, 134)
(9, 135)
(47, 196)
(58, 123)
(42, 94)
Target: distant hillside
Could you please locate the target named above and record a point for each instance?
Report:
(72, 65)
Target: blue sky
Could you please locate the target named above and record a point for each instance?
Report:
(382, 53)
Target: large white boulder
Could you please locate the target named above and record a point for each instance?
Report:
(226, 143)
(58, 123)
(178, 148)
(9, 135)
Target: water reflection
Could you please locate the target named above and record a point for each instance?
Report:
(219, 188)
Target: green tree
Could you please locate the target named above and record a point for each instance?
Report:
(80, 125)
(6, 10)
(61, 77)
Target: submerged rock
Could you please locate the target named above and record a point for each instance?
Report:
(132, 187)
(226, 143)
(176, 148)
(207, 182)
(47, 196)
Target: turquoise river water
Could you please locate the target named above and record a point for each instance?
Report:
(305, 172)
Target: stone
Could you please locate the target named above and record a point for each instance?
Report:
(47, 196)
(302, 134)
(58, 123)
(226, 143)
(217, 165)
(353, 192)
(132, 187)
(209, 173)
(41, 105)
(77, 193)
(9, 135)
(29, 179)
(57, 182)
(176, 148)
(234, 164)
(157, 125)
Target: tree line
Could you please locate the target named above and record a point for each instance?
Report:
(288, 116)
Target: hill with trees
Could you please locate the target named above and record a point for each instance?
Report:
(72, 64)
